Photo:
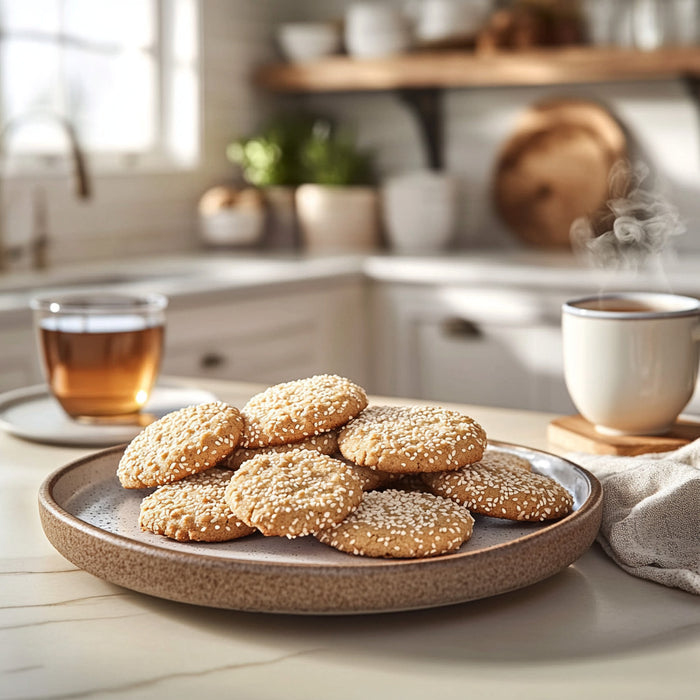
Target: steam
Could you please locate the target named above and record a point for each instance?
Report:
(635, 227)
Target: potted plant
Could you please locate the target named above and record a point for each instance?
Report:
(337, 206)
(314, 171)
(271, 160)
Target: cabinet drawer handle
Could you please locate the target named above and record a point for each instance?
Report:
(460, 328)
(211, 360)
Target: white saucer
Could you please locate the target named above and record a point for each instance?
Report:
(33, 414)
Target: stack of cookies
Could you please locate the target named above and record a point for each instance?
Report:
(310, 457)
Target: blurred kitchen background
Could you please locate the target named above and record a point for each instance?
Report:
(162, 98)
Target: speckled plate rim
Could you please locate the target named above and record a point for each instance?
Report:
(358, 586)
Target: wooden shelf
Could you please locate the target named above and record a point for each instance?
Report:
(462, 69)
(420, 77)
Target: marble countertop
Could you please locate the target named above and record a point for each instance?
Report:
(176, 276)
(589, 631)
(561, 273)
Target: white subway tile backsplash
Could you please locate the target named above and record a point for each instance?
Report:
(238, 35)
(661, 118)
(663, 121)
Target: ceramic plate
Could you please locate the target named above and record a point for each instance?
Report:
(33, 414)
(93, 522)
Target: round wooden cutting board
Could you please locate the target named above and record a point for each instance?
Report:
(556, 168)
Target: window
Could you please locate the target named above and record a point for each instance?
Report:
(124, 73)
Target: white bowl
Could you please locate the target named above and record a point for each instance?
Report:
(375, 30)
(306, 41)
(445, 19)
(232, 227)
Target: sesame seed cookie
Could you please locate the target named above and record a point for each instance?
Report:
(371, 478)
(295, 410)
(410, 482)
(193, 510)
(408, 439)
(293, 493)
(505, 460)
(179, 444)
(401, 524)
(325, 443)
(511, 494)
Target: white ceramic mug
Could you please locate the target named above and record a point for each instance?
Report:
(631, 359)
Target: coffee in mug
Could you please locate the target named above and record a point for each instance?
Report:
(631, 359)
(615, 304)
(100, 353)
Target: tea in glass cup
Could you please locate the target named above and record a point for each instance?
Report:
(101, 353)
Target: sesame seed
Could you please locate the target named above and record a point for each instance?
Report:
(401, 524)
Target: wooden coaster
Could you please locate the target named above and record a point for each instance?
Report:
(576, 434)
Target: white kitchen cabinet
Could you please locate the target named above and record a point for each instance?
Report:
(484, 332)
(495, 347)
(271, 336)
(19, 362)
(264, 334)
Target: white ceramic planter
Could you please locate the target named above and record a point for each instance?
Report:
(338, 218)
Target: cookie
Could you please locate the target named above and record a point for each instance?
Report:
(505, 460)
(512, 494)
(193, 510)
(401, 524)
(296, 410)
(325, 443)
(179, 444)
(371, 478)
(408, 439)
(293, 493)
(409, 482)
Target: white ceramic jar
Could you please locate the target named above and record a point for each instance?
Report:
(419, 211)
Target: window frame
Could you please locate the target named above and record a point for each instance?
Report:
(161, 159)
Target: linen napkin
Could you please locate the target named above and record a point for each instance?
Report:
(651, 513)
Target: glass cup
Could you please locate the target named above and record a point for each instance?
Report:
(101, 353)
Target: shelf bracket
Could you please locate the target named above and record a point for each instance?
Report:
(691, 81)
(692, 85)
(426, 106)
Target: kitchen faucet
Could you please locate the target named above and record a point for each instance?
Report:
(39, 239)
